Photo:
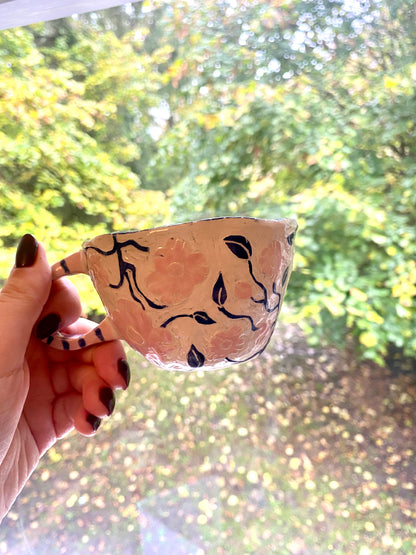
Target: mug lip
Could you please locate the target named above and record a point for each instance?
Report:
(290, 221)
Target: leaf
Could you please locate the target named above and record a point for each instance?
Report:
(368, 339)
(195, 358)
(286, 273)
(203, 318)
(239, 245)
(358, 294)
(219, 293)
(291, 238)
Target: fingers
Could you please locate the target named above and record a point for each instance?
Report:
(64, 410)
(108, 358)
(23, 297)
(62, 308)
(83, 399)
(86, 423)
(93, 374)
(21, 301)
(110, 362)
(69, 413)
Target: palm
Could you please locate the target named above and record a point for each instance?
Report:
(45, 393)
(43, 412)
(58, 391)
(33, 429)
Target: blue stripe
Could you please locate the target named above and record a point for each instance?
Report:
(64, 266)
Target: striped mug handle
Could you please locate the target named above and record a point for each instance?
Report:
(77, 264)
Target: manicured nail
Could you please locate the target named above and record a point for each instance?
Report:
(94, 422)
(108, 400)
(124, 371)
(47, 326)
(26, 251)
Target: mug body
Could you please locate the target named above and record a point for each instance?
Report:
(198, 295)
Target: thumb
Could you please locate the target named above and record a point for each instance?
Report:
(22, 298)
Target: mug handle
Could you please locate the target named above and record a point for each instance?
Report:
(77, 264)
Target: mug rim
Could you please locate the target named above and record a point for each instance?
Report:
(292, 221)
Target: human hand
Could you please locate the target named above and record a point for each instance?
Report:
(45, 393)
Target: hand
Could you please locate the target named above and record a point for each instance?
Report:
(45, 393)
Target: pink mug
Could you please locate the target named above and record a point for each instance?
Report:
(197, 295)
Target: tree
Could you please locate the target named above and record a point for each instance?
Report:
(65, 157)
(268, 109)
(331, 141)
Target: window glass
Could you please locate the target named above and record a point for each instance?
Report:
(162, 112)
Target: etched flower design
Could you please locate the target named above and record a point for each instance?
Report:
(270, 258)
(138, 331)
(177, 270)
(243, 290)
(132, 323)
(263, 335)
(101, 270)
(161, 341)
(228, 343)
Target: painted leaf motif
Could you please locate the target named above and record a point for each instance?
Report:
(195, 358)
(284, 279)
(203, 318)
(291, 238)
(239, 245)
(219, 293)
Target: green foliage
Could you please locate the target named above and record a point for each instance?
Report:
(66, 158)
(333, 147)
(179, 110)
(356, 272)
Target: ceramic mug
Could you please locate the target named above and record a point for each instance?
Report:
(198, 295)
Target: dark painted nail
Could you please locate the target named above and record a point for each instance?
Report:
(94, 422)
(107, 398)
(124, 371)
(26, 251)
(47, 326)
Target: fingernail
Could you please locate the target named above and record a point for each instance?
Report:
(94, 422)
(108, 400)
(124, 371)
(47, 326)
(26, 251)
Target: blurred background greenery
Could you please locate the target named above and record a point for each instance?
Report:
(159, 112)
(163, 112)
